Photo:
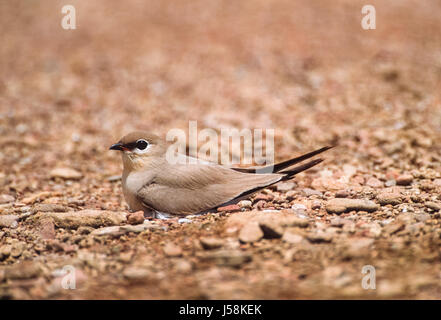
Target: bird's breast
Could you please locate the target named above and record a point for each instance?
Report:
(131, 183)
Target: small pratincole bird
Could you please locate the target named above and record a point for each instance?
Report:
(160, 188)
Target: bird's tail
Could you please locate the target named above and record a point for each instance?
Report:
(278, 167)
(290, 173)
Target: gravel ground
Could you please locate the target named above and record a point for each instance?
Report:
(307, 70)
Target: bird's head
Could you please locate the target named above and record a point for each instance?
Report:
(139, 149)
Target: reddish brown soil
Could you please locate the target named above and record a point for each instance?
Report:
(306, 69)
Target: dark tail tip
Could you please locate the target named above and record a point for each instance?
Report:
(303, 167)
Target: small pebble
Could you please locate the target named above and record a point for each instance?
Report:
(6, 198)
(135, 217)
(342, 194)
(298, 206)
(340, 205)
(9, 221)
(211, 243)
(290, 237)
(172, 250)
(251, 232)
(320, 237)
(404, 180)
(433, 205)
(392, 198)
(311, 192)
(245, 204)
(374, 183)
(230, 208)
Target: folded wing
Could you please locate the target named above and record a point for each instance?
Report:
(199, 188)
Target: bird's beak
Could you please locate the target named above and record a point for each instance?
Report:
(117, 146)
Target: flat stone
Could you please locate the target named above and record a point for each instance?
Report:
(6, 198)
(117, 231)
(229, 258)
(40, 196)
(230, 208)
(49, 207)
(392, 198)
(88, 217)
(172, 250)
(9, 221)
(140, 227)
(337, 205)
(291, 237)
(66, 173)
(433, 205)
(114, 178)
(311, 192)
(263, 197)
(251, 232)
(336, 209)
(211, 243)
(114, 231)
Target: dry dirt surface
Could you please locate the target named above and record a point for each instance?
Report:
(303, 68)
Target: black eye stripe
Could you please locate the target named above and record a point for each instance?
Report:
(130, 145)
(141, 144)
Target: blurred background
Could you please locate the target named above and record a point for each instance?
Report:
(307, 70)
(304, 68)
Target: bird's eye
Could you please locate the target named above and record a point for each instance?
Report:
(141, 144)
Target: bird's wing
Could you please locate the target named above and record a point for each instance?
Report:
(199, 187)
